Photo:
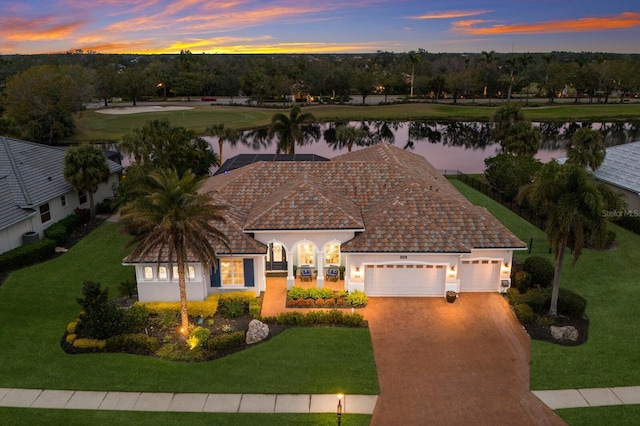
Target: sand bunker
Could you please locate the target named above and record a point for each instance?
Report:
(139, 109)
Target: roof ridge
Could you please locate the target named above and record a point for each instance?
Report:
(16, 172)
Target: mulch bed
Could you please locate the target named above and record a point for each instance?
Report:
(543, 332)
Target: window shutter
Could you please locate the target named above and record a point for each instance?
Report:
(248, 272)
(215, 275)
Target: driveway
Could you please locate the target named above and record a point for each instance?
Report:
(465, 363)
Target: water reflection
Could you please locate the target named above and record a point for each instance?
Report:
(452, 146)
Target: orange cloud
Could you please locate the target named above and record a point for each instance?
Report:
(22, 29)
(450, 14)
(617, 22)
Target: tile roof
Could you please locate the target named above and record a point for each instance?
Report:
(395, 200)
(621, 167)
(32, 174)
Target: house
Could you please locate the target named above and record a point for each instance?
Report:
(33, 192)
(397, 226)
(621, 171)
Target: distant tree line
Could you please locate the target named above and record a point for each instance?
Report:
(40, 93)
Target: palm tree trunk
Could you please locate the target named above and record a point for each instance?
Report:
(220, 143)
(92, 206)
(184, 316)
(555, 290)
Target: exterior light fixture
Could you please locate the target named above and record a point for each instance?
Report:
(357, 272)
(339, 409)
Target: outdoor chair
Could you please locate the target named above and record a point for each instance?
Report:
(332, 274)
(305, 273)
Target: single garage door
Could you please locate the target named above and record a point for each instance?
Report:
(404, 280)
(479, 275)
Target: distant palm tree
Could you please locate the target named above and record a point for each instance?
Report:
(573, 204)
(85, 167)
(173, 222)
(347, 135)
(289, 128)
(223, 133)
(586, 148)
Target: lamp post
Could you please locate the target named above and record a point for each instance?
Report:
(339, 412)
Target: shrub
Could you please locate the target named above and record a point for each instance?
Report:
(296, 293)
(104, 207)
(332, 317)
(320, 302)
(506, 173)
(71, 327)
(72, 222)
(357, 298)
(89, 343)
(128, 287)
(198, 337)
(100, 318)
(569, 302)
(522, 281)
(226, 341)
(244, 297)
(179, 352)
(255, 308)
(135, 318)
(541, 270)
(205, 308)
(28, 254)
(310, 303)
(538, 299)
(58, 233)
(139, 343)
(71, 338)
(514, 296)
(524, 313)
(233, 309)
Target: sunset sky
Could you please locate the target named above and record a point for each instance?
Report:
(318, 26)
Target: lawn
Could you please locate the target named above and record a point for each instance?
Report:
(609, 282)
(26, 416)
(93, 126)
(37, 302)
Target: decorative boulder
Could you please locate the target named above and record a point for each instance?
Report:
(568, 332)
(257, 331)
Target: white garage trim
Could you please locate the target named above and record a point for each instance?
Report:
(403, 279)
(479, 275)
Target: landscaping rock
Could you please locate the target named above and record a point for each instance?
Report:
(257, 331)
(565, 333)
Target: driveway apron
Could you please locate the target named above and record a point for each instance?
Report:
(463, 363)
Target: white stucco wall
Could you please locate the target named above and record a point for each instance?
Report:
(157, 290)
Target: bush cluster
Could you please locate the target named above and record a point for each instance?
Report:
(541, 271)
(296, 293)
(357, 298)
(331, 317)
(97, 344)
(570, 303)
(226, 341)
(60, 231)
(205, 308)
(105, 207)
(28, 254)
(138, 343)
(100, 318)
(180, 352)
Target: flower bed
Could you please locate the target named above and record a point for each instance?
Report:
(299, 297)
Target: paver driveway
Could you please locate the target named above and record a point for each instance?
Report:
(465, 363)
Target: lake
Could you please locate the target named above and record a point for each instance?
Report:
(447, 146)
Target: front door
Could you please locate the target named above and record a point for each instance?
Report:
(276, 258)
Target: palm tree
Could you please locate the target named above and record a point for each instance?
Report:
(223, 133)
(289, 128)
(586, 148)
(413, 58)
(175, 223)
(573, 204)
(487, 58)
(85, 167)
(515, 134)
(347, 135)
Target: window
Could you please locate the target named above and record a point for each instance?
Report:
(306, 254)
(332, 254)
(162, 272)
(82, 197)
(45, 213)
(148, 273)
(232, 272)
(63, 201)
(191, 273)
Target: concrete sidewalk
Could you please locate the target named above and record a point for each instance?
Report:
(185, 402)
(590, 397)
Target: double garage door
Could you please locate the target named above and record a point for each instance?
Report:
(404, 280)
(479, 275)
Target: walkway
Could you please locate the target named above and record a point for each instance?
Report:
(184, 402)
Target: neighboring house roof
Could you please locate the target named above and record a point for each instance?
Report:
(31, 174)
(395, 201)
(621, 167)
(242, 160)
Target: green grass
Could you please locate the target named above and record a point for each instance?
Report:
(93, 126)
(26, 416)
(619, 415)
(36, 303)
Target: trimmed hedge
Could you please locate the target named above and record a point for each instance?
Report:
(59, 231)
(28, 254)
(138, 343)
(540, 269)
(205, 308)
(524, 313)
(569, 303)
(226, 341)
(331, 317)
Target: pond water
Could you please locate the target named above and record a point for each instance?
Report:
(447, 146)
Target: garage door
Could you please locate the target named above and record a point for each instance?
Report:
(479, 275)
(404, 280)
